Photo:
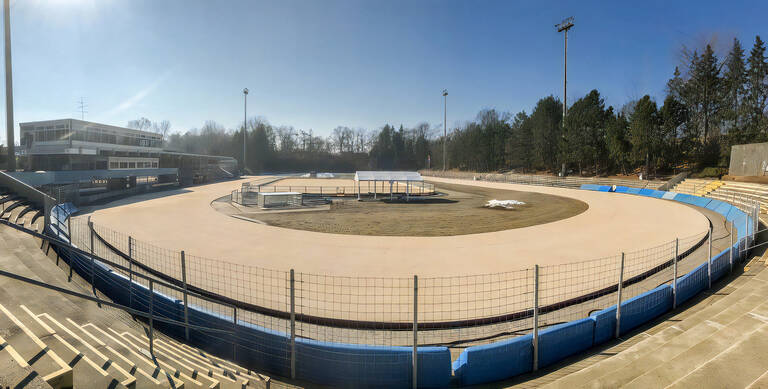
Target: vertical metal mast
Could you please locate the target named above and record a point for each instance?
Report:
(564, 26)
(445, 127)
(8, 88)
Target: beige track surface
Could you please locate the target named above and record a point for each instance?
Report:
(613, 223)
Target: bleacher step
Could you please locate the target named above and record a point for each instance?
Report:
(639, 358)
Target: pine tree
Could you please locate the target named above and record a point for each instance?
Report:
(757, 91)
(734, 79)
(707, 81)
(617, 139)
(644, 131)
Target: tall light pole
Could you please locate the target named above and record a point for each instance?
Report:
(8, 88)
(445, 126)
(564, 26)
(245, 122)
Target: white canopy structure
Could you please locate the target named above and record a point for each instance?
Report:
(388, 176)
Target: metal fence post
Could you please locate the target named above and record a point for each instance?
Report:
(184, 284)
(151, 317)
(415, 330)
(618, 299)
(90, 228)
(293, 327)
(93, 262)
(674, 273)
(536, 317)
(746, 237)
(730, 251)
(130, 271)
(234, 343)
(709, 258)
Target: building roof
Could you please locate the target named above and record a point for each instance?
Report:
(387, 176)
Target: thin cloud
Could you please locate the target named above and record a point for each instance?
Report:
(139, 96)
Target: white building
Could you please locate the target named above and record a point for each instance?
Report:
(70, 144)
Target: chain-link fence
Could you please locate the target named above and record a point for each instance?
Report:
(455, 311)
(294, 309)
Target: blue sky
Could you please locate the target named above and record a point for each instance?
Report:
(320, 64)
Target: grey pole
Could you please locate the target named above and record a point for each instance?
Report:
(746, 237)
(415, 330)
(709, 258)
(618, 299)
(184, 284)
(730, 251)
(293, 327)
(536, 317)
(93, 284)
(234, 344)
(130, 271)
(9, 127)
(674, 273)
(565, 76)
(445, 127)
(151, 316)
(245, 122)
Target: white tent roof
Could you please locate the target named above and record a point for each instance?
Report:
(387, 176)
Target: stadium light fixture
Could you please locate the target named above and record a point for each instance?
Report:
(564, 26)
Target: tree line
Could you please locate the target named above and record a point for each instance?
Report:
(710, 104)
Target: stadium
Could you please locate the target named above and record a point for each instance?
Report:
(252, 281)
(351, 227)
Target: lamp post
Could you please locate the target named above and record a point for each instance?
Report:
(245, 122)
(8, 88)
(564, 26)
(445, 126)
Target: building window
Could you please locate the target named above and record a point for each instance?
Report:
(114, 165)
(123, 165)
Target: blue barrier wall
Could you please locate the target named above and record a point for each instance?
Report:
(634, 312)
(692, 283)
(564, 340)
(495, 361)
(645, 192)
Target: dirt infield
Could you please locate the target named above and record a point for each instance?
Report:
(458, 211)
(184, 220)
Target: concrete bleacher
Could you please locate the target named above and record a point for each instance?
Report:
(49, 339)
(733, 192)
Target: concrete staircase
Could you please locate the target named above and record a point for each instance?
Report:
(719, 341)
(49, 339)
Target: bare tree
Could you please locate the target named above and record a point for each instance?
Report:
(162, 128)
(141, 123)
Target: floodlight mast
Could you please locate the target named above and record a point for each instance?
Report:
(564, 26)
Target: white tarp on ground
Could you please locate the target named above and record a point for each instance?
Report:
(387, 176)
(508, 204)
